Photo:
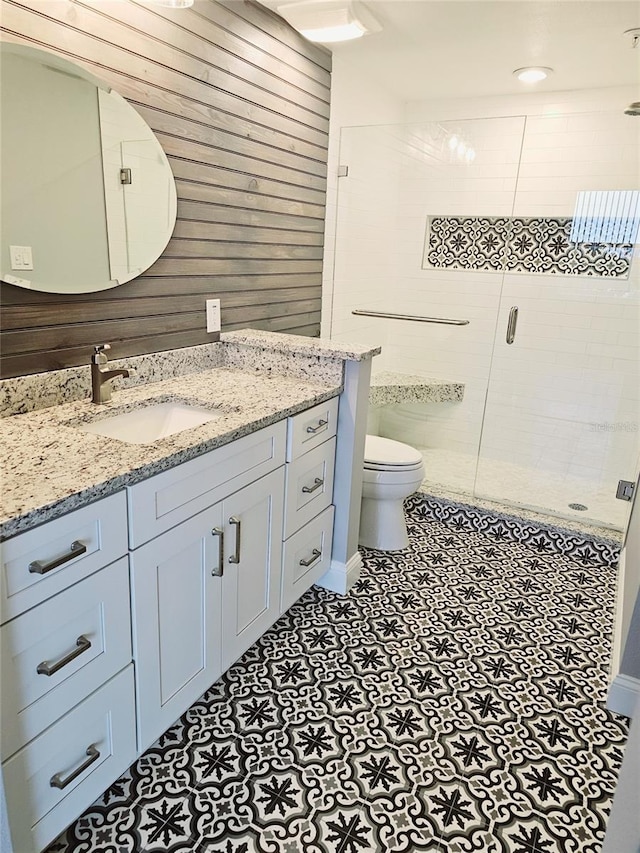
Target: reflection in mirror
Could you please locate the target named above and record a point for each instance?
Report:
(88, 198)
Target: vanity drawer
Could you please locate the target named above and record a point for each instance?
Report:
(42, 562)
(165, 500)
(104, 722)
(309, 486)
(306, 557)
(83, 635)
(309, 429)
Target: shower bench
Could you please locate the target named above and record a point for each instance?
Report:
(388, 387)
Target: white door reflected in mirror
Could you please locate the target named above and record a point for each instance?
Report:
(86, 185)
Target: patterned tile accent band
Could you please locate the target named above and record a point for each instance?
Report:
(517, 244)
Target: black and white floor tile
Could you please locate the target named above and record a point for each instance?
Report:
(452, 702)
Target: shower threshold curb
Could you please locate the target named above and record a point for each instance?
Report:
(588, 529)
(583, 546)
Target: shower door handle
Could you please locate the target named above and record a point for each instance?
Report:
(511, 325)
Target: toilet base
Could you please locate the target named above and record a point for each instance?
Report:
(382, 525)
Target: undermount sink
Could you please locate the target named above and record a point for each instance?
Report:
(150, 423)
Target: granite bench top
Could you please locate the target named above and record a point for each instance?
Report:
(388, 387)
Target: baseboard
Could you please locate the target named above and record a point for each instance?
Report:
(624, 695)
(342, 576)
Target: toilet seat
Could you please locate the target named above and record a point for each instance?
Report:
(384, 454)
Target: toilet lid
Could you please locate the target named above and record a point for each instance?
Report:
(384, 451)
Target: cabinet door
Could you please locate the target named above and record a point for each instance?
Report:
(252, 568)
(177, 623)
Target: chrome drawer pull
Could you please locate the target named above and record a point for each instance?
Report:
(321, 423)
(314, 556)
(235, 558)
(316, 485)
(46, 668)
(217, 572)
(58, 782)
(40, 568)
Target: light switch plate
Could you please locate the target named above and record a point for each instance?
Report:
(21, 257)
(213, 315)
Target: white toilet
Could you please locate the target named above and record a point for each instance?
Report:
(392, 472)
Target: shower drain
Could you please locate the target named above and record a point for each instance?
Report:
(580, 507)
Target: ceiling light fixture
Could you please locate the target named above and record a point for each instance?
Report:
(533, 73)
(328, 21)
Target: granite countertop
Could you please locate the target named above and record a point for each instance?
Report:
(300, 345)
(50, 467)
(388, 387)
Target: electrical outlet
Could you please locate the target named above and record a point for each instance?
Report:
(213, 315)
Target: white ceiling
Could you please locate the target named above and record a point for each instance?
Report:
(458, 48)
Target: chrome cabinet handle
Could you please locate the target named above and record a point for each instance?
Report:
(321, 423)
(217, 571)
(511, 325)
(314, 556)
(46, 668)
(38, 567)
(316, 485)
(235, 558)
(58, 782)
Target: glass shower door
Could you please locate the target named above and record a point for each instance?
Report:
(561, 418)
(401, 178)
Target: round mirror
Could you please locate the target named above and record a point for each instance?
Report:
(88, 198)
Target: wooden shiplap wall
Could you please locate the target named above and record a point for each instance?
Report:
(240, 104)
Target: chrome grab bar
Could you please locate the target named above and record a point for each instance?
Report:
(511, 325)
(46, 668)
(445, 321)
(235, 558)
(39, 567)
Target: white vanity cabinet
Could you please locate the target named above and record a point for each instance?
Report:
(208, 588)
(309, 513)
(68, 704)
(119, 615)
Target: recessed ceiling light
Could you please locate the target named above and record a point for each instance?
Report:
(533, 73)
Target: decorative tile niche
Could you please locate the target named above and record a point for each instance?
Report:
(518, 244)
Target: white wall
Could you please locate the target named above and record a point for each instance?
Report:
(528, 104)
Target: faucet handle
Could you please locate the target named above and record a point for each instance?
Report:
(99, 356)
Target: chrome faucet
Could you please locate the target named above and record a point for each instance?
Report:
(101, 376)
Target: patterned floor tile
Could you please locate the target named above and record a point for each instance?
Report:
(110, 829)
(167, 824)
(451, 702)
